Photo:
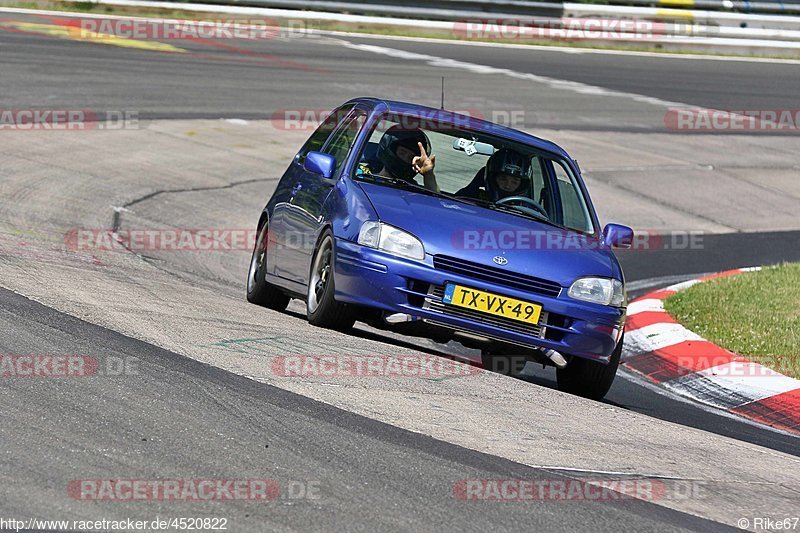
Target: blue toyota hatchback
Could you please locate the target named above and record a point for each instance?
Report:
(441, 225)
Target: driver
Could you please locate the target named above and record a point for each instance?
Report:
(403, 152)
(507, 175)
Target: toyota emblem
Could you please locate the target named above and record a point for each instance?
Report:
(500, 260)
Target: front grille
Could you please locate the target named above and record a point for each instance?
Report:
(434, 303)
(496, 275)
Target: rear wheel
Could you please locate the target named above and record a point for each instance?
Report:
(322, 309)
(259, 291)
(590, 379)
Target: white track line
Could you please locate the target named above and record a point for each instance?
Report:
(572, 86)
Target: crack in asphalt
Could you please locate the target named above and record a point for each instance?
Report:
(196, 189)
(116, 223)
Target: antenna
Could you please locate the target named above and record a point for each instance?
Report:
(442, 92)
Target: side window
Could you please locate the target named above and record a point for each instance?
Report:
(318, 138)
(576, 214)
(342, 139)
(538, 185)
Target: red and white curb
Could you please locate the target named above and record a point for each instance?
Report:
(670, 355)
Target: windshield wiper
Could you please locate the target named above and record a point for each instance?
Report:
(529, 214)
(512, 209)
(410, 185)
(507, 209)
(475, 201)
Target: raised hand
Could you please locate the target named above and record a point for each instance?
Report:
(422, 163)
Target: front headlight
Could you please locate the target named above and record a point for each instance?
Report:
(603, 291)
(391, 240)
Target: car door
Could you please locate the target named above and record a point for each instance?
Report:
(279, 234)
(571, 209)
(303, 217)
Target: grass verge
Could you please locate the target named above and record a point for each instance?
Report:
(754, 314)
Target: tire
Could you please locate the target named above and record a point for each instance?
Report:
(590, 379)
(259, 291)
(321, 307)
(507, 365)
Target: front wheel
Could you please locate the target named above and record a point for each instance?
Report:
(259, 291)
(590, 379)
(322, 309)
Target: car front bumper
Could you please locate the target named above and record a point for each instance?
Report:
(372, 278)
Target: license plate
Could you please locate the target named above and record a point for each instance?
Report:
(492, 304)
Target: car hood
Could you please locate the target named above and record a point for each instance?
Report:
(477, 234)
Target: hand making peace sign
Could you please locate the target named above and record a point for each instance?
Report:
(422, 163)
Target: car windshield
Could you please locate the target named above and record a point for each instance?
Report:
(520, 179)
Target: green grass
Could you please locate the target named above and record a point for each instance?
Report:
(754, 314)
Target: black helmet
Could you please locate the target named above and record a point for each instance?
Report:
(507, 161)
(395, 137)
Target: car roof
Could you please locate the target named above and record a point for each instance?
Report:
(443, 115)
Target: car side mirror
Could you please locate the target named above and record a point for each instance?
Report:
(319, 163)
(618, 236)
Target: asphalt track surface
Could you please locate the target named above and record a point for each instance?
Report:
(712, 84)
(373, 474)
